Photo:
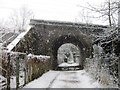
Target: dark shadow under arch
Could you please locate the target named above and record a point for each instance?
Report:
(68, 39)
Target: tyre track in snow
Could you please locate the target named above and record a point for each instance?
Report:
(53, 81)
(66, 79)
(73, 79)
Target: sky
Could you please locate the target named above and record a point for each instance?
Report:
(60, 10)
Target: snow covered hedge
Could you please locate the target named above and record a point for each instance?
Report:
(104, 65)
(103, 68)
(23, 68)
(37, 65)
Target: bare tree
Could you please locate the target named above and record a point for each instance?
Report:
(107, 11)
(119, 14)
(84, 16)
(4, 26)
(20, 18)
(26, 15)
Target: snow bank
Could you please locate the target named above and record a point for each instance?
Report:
(16, 40)
(68, 65)
(39, 57)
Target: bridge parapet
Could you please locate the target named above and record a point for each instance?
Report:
(90, 28)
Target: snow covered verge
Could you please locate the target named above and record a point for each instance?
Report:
(103, 66)
(104, 69)
(64, 79)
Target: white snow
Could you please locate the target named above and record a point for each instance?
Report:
(68, 65)
(43, 81)
(64, 79)
(13, 81)
(40, 57)
(74, 79)
(2, 78)
(17, 39)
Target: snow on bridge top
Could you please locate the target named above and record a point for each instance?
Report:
(61, 23)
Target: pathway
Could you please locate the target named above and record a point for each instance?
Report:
(64, 79)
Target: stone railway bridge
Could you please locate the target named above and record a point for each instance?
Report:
(45, 38)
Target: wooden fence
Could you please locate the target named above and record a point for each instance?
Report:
(19, 68)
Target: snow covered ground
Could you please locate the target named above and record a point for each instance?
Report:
(64, 79)
(44, 81)
(13, 80)
(68, 65)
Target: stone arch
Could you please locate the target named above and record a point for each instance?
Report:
(76, 40)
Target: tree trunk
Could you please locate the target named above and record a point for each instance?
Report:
(109, 13)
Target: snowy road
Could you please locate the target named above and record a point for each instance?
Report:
(64, 79)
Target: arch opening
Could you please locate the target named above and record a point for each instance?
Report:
(75, 40)
(69, 53)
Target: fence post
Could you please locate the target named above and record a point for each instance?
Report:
(17, 72)
(31, 71)
(25, 70)
(8, 72)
